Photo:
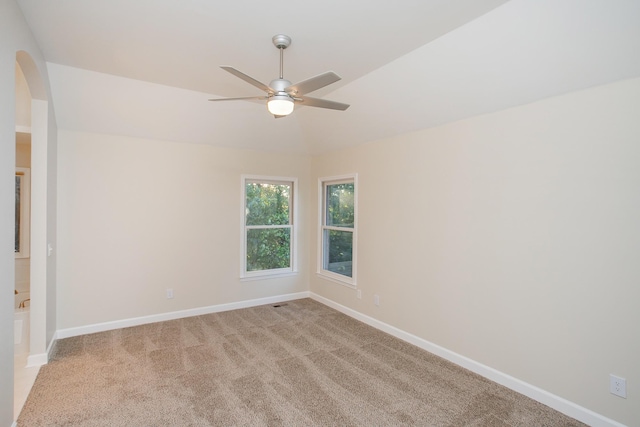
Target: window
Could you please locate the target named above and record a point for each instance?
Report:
(337, 253)
(268, 238)
(23, 187)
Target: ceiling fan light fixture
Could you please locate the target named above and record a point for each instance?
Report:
(280, 105)
(281, 94)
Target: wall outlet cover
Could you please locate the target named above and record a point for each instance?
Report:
(618, 386)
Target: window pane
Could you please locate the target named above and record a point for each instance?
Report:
(268, 249)
(18, 208)
(338, 252)
(267, 204)
(340, 212)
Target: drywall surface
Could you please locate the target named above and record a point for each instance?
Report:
(138, 217)
(511, 239)
(16, 42)
(23, 150)
(23, 101)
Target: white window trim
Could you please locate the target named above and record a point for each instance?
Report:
(350, 282)
(280, 272)
(25, 213)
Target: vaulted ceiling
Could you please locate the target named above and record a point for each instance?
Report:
(146, 68)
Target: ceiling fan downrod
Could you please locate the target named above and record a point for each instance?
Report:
(281, 42)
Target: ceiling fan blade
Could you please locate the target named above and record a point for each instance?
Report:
(248, 79)
(322, 103)
(244, 98)
(314, 83)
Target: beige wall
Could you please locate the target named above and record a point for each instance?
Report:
(23, 150)
(139, 216)
(511, 239)
(23, 100)
(16, 42)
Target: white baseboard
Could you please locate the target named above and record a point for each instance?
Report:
(37, 360)
(556, 402)
(126, 323)
(40, 359)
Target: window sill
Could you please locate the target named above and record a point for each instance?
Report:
(268, 276)
(336, 279)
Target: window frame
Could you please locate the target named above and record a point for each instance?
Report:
(292, 226)
(323, 182)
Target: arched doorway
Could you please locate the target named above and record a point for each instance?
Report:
(36, 127)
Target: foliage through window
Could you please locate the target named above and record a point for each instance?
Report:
(338, 229)
(268, 226)
(21, 247)
(18, 211)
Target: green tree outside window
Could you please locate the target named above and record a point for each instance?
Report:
(338, 228)
(268, 225)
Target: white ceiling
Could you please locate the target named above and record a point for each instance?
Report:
(146, 67)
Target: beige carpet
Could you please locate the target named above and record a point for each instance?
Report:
(299, 364)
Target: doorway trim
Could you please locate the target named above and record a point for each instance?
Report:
(40, 268)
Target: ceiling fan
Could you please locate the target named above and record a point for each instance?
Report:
(281, 94)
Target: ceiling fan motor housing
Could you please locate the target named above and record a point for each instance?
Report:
(279, 86)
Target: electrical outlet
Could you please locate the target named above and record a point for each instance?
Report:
(618, 386)
(359, 294)
(169, 293)
(376, 299)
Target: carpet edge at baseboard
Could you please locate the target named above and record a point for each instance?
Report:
(161, 317)
(558, 403)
